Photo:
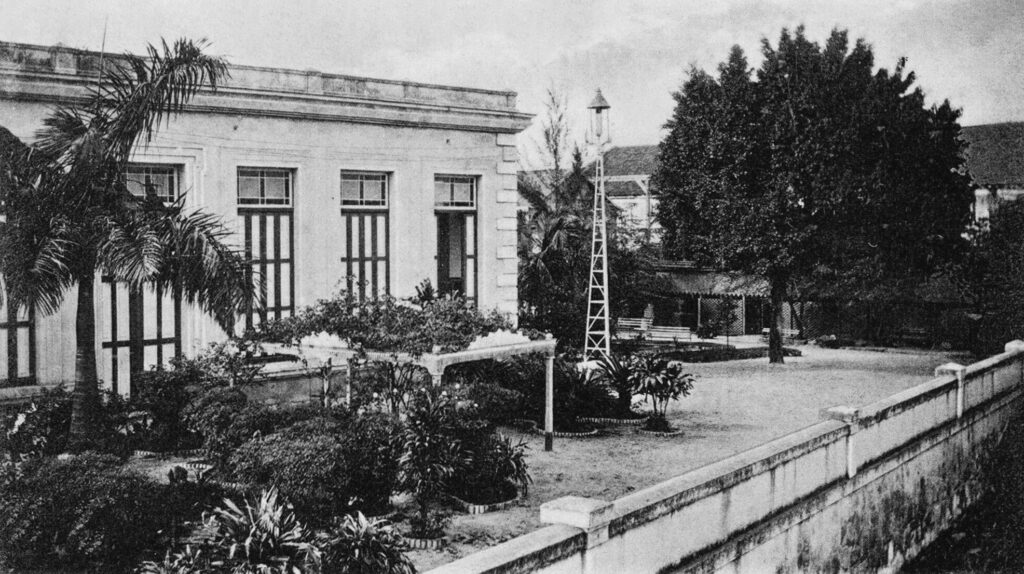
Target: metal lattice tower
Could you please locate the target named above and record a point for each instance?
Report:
(598, 337)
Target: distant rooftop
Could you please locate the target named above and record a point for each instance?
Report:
(995, 156)
(631, 160)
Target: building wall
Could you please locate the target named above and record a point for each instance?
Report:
(315, 125)
(864, 490)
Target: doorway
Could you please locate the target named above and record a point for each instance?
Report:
(451, 253)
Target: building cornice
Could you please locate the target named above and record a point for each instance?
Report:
(64, 75)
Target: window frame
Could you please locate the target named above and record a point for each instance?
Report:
(451, 205)
(385, 177)
(175, 170)
(261, 202)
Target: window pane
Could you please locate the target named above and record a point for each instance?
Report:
(248, 188)
(161, 181)
(442, 193)
(463, 194)
(275, 188)
(350, 190)
(454, 191)
(364, 189)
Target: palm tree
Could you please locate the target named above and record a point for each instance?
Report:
(70, 215)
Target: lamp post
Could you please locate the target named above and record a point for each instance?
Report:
(597, 341)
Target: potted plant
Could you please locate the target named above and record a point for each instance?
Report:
(661, 381)
(428, 463)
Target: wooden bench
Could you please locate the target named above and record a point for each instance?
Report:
(629, 328)
(666, 333)
(787, 334)
(913, 336)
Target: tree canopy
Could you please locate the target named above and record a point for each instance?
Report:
(817, 172)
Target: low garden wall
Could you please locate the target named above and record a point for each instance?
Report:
(863, 490)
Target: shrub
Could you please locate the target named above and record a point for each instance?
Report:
(225, 419)
(660, 381)
(164, 395)
(614, 372)
(41, 429)
(387, 384)
(493, 470)
(386, 324)
(496, 403)
(706, 331)
(262, 536)
(430, 458)
(358, 545)
(86, 511)
(325, 468)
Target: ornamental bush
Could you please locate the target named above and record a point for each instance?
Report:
(225, 419)
(326, 467)
(88, 512)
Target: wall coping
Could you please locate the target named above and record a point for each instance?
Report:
(668, 496)
(524, 553)
(59, 74)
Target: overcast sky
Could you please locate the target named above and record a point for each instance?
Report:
(968, 51)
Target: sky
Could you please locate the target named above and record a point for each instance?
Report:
(970, 52)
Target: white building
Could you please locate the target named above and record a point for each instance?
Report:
(330, 181)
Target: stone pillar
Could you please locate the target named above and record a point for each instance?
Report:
(549, 402)
(960, 371)
(588, 514)
(851, 417)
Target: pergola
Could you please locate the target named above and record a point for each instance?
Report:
(329, 349)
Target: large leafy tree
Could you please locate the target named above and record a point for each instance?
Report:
(996, 278)
(69, 215)
(819, 173)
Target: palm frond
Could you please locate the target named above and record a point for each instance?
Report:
(141, 94)
(197, 262)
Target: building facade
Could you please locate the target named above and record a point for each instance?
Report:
(328, 181)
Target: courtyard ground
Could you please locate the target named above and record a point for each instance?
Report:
(734, 406)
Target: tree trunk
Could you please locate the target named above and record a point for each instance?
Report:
(778, 299)
(86, 396)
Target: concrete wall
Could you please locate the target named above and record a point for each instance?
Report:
(864, 490)
(315, 125)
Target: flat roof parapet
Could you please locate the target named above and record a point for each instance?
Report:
(71, 63)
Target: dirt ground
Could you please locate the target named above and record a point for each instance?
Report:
(734, 406)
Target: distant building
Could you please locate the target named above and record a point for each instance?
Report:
(995, 160)
(328, 181)
(628, 171)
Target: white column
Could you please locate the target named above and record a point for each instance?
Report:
(549, 402)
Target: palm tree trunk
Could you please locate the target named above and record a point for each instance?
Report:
(778, 298)
(86, 396)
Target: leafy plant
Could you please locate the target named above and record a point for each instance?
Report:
(189, 561)
(493, 470)
(429, 459)
(387, 324)
(615, 372)
(87, 511)
(359, 545)
(388, 383)
(659, 380)
(262, 536)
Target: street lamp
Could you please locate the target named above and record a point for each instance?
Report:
(598, 332)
